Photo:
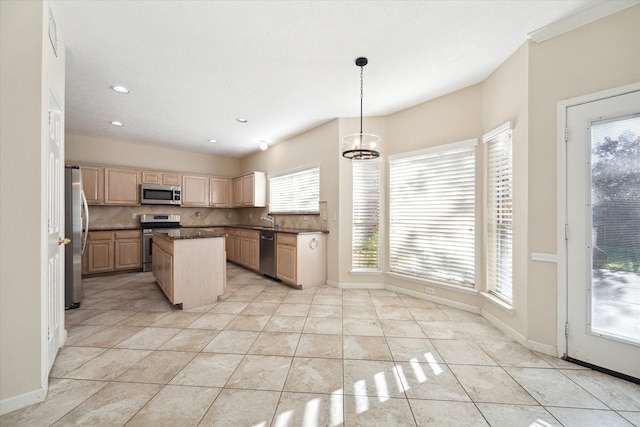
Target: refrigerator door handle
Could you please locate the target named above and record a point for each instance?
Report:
(85, 229)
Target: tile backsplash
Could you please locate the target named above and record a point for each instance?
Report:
(110, 217)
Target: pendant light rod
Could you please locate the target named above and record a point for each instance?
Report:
(361, 62)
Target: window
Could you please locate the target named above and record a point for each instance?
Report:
(432, 213)
(366, 216)
(499, 212)
(295, 192)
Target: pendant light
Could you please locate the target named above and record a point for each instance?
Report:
(361, 146)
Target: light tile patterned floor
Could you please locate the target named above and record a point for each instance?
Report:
(272, 355)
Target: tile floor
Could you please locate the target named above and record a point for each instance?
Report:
(270, 355)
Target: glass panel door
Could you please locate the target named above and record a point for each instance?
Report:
(615, 222)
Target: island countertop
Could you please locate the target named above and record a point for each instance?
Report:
(187, 233)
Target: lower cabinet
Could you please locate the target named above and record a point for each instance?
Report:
(301, 259)
(109, 251)
(163, 267)
(243, 247)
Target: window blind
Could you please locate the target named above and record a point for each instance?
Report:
(432, 213)
(296, 192)
(500, 212)
(366, 215)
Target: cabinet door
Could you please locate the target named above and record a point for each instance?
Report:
(151, 177)
(286, 263)
(254, 260)
(237, 192)
(169, 178)
(247, 190)
(230, 244)
(100, 258)
(245, 252)
(237, 249)
(167, 270)
(93, 184)
(220, 192)
(195, 190)
(121, 186)
(128, 254)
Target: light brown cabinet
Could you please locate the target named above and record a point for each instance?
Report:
(98, 256)
(195, 190)
(191, 272)
(93, 184)
(220, 192)
(109, 251)
(164, 178)
(250, 249)
(250, 190)
(301, 260)
(121, 186)
(128, 250)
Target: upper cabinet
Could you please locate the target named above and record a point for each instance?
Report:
(164, 178)
(220, 192)
(195, 190)
(93, 184)
(121, 186)
(250, 190)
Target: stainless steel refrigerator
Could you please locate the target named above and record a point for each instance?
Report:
(76, 228)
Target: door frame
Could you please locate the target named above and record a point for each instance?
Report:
(562, 270)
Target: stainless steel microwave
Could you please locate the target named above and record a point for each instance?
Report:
(156, 194)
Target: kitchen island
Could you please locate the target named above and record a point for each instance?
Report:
(190, 265)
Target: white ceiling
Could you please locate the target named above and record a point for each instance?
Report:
(193, 67)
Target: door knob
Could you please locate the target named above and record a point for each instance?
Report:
(63, 241)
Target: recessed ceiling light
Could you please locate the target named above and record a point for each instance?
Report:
(120, 89)
(213, 141)
(117, 123)
(264, 145)
(241, 120)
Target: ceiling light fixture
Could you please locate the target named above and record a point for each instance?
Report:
(264, 145)
(361, 146)
(117, 123)
(241, 120)
(120, 89)
(213, 141)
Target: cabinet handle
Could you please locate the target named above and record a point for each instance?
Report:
(313, 243)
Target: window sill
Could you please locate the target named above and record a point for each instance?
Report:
(504, 306)
(429, 282)
(366, 272)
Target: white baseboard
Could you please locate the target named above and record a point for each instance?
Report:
(332, 283)
(508, 330)
(547, 349)
(420, 295)
(22, 401)
(362, 286)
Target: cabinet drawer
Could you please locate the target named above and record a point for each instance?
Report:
(287, 239)
(164, 245)
(250, 234)
(128, 234)
(100, 235)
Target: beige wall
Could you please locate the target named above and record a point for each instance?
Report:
(505, 96)
(315, 147)
(598, 56)
(28, 68)
(84, 149)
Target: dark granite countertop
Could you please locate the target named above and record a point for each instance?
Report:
(115, 229)
(259, 228)
(187, 233)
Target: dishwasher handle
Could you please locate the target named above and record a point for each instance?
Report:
(266, 237)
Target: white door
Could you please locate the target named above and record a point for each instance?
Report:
(603, 243)
(54, 295)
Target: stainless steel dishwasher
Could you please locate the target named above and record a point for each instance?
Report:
(268, 253)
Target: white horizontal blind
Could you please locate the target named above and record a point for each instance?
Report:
(295, 192)
(432, 214)
(500, 213)
(366, 215)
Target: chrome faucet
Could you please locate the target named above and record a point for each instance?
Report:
(270, 219)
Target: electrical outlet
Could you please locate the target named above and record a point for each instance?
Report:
(334, 216)
(229, 215)
(250, 215)
(324, 216)
(305, 218)
(134, 215)
(429, 290)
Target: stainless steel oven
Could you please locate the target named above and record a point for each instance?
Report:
(149, 222)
